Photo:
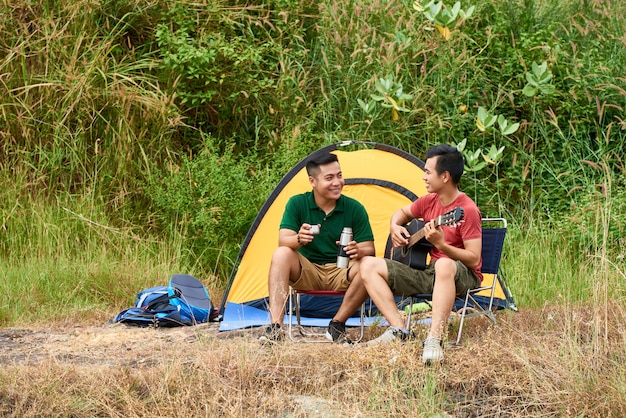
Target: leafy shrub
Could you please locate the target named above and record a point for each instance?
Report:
(211, 199)
(227, 67)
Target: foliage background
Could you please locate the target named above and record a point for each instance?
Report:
(140, 137)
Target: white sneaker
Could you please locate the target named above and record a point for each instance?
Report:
(392, 334)
(433, 351)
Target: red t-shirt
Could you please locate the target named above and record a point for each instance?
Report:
(470, 227)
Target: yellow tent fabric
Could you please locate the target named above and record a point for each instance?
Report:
(487, 281)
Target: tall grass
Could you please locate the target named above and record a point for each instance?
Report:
(80, 110)
(87, 266)
(573, 257)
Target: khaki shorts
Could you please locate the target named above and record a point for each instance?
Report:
(321, 276)
(405, 281)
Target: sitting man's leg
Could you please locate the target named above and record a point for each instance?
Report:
(443, 295)
(284, 268)
(384, 278)
(452, 278)
(352, 300)
(375, 274)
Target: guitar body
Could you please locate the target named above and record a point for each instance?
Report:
(415, 256)
(415, 253)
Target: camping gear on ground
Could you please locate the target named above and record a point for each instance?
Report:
(185, 301)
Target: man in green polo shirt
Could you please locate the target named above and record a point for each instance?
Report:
(307, 259)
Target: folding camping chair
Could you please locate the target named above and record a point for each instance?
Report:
(294, 305)
(493, 244)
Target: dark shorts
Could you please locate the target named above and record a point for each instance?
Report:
(405, 281)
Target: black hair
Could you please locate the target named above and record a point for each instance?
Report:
(313, 164)
(449, 159)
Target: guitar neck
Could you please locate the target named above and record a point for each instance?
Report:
(416, 237)
(413, 239)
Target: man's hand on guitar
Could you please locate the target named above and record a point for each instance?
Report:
(399, 236)
(412, 250)
(434, 234)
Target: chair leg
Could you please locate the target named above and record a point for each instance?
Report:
(458, 337)
(413, 299)
(362, 325)
(408, 319)
(482, 311)
(294, 304)
(290, 325)
(299, 319)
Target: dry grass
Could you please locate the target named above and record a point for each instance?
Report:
(551, 362)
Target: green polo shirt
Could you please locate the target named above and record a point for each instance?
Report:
(323, 249)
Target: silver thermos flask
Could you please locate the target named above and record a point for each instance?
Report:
(342, 257)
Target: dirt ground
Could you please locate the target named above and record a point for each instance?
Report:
(111, 345)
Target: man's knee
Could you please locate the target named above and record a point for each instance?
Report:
(445, 269)
(283, 255)
(284, 261)
(371, 268)
(366, 264)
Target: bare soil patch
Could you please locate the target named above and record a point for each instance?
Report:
(105, 345)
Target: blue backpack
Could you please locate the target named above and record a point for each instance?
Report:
(185, 301)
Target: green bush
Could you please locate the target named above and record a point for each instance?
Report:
(211, 200)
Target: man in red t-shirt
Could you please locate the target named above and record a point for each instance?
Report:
(455, 255)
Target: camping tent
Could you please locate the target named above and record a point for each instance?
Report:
(381, 177)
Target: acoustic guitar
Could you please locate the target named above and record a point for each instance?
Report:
(414, 254)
